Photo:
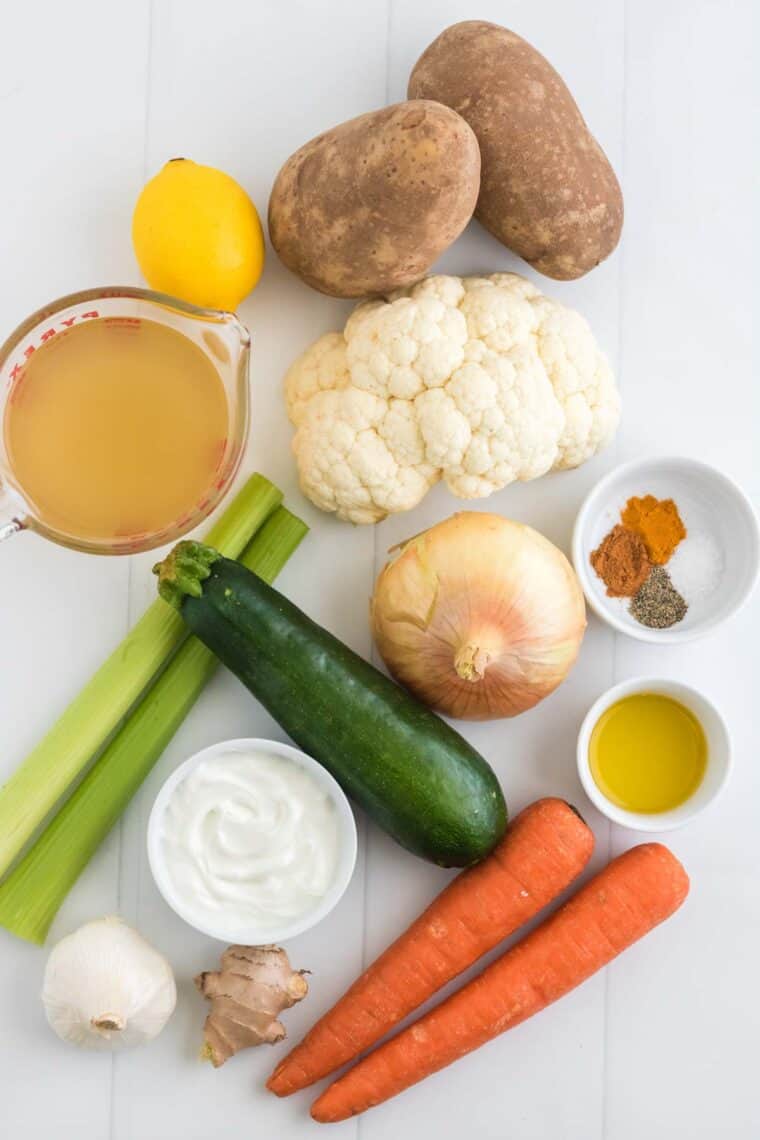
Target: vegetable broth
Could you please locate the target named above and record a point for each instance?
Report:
(648, 753)
(116, 428)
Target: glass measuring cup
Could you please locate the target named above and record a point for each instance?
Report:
(220, 336)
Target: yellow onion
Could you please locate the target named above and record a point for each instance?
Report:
(479, 617)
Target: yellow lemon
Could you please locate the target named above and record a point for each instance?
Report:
(197, 235)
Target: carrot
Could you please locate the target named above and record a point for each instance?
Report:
(621, 904)
(544, 848)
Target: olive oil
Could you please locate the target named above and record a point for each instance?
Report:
(648, 753)
(116, 428)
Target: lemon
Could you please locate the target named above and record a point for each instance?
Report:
(197, 235)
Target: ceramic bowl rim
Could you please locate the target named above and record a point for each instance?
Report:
(671, 636)
(651, 822)
(346, 855)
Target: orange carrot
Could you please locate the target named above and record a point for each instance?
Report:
(621, 904)
(545, 847)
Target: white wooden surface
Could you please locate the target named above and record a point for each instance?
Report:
(94, 98)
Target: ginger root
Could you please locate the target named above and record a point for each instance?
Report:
(254, 984)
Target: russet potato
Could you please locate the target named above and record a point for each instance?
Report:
(547, 190)
(368, 206)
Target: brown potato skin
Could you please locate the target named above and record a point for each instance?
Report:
(547, 190)
(368, 206)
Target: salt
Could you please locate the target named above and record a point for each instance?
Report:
(696, 567)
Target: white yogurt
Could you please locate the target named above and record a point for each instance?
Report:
(250, 840)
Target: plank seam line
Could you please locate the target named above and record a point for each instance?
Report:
(615, 636)
(131, 561)
(373, 572)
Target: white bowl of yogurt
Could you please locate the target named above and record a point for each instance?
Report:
(251, 841)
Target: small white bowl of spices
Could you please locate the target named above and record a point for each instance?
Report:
(251, 841)
(666, 549)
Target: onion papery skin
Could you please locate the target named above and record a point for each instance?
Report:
(480, 617)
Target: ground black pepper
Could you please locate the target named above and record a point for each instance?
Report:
(658, 604)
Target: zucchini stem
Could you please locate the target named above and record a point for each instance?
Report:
(183, 570)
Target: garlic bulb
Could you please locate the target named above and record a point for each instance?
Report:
(106, 987)
(479, 617)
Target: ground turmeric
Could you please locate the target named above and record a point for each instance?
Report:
(657, 522)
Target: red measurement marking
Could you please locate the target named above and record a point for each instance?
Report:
(220, 448)
(131, 541)
(123, 322)
(15, 382)
(48, 334)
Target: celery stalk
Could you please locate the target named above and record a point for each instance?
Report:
(77, 736)
(34, 890)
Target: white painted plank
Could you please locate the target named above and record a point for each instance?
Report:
(546, 1078)
(71, 116)
(684, 1015)
(241, 93)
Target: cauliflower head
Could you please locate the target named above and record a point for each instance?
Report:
(478, 381)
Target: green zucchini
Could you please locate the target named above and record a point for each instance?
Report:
(410, 771)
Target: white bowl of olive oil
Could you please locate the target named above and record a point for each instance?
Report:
(653, 753)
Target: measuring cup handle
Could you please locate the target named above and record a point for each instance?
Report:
(10, 521)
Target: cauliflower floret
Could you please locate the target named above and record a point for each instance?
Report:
(403, 348)
(478, 381)
(499, 315)
(583, 382)
(321, 368)
(445, 430)
(515, 419)
(449, 290)
(345, 464)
